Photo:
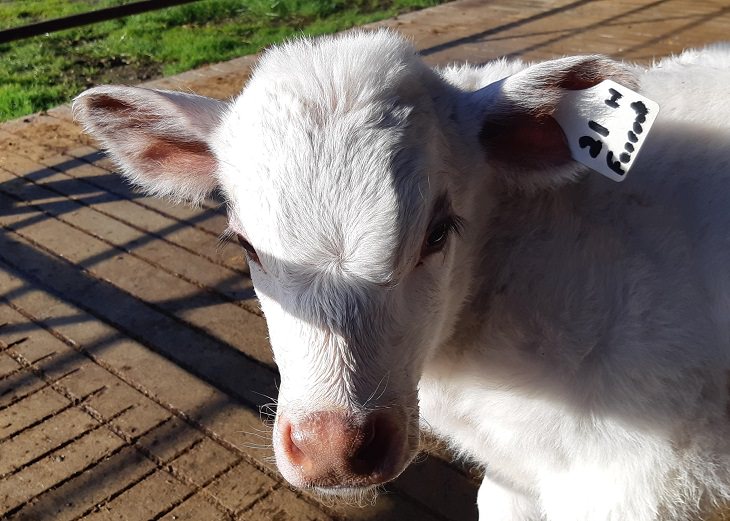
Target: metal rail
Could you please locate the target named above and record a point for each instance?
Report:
(77, 20)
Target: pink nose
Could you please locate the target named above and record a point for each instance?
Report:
(333, 449)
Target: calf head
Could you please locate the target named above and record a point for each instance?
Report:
(357, 181)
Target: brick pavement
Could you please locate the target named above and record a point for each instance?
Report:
(133, 357)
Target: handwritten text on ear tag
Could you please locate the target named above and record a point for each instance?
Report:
(606, 126)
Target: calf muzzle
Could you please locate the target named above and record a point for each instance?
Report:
(333, 449)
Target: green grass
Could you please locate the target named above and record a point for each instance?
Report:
(44, 71)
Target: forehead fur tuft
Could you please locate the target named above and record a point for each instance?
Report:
(331, 131)
(341, 71)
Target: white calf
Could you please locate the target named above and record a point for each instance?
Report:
(422, 239)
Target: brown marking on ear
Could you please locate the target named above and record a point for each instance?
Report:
(525, 140)
(133, 116)
(591, 72)
(107, 103)
(728, 393)
(191, 157)
(582, 76)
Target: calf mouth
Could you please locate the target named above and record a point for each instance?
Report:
(355, 496)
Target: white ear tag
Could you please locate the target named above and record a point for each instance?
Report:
(606, 125)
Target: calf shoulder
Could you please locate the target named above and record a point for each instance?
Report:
(598, 319)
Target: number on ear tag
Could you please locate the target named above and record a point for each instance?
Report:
(606, 126)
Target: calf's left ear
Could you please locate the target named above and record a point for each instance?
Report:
(520, 138)
(160, 139)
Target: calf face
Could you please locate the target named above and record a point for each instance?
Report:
(346, 211)
(357, 184)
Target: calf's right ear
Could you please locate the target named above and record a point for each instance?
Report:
(521, 140)
(160, 139)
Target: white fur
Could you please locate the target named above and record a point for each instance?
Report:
(574, 340)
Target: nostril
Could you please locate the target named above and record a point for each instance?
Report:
(377, 441)
(289, 437)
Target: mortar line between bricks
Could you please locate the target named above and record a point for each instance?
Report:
(118, 492)
(101, 422)
(88, 467)
(199, 285)
(13, 343)
(159, 465)
(45, 385)
(245, 457)
(165, 465)
(66, 443)
(151, 305)
(198, 489)
(44, 357)
(20, 369)
(259, 499)
(168, 407)
(111, 497)
(106, 422)
(54, 413)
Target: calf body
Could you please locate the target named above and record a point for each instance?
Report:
(420, 240)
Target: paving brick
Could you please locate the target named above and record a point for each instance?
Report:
(141, 414)
(38, 347)
(241, 486)
(155, 494)
(43, 438)
(113, 396)
(89, 488)
(7, 366)
(85, 378)
(142, 417)
(170, 439)
(283, 505)
(35, 407)
(204, 461)
(18, 385)
(196, 508)
(57, 466)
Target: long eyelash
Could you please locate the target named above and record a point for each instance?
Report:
(227, 237)
(456, 224)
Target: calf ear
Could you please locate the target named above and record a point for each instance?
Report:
(160, 139)
(521, 139)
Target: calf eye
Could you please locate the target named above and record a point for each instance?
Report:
(250, 251)
(438, 235)
(437, 238)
